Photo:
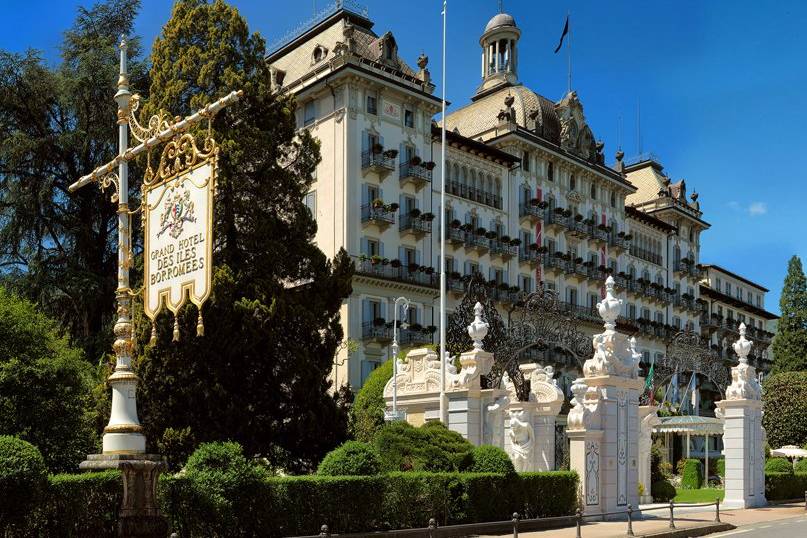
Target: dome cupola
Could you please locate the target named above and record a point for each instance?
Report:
(499, 52)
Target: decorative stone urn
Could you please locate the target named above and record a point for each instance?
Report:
(478, 329)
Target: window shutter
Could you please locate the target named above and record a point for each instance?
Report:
(365, 141)
(365, 311)
(365, 194)
(381, 248)
(465, 268)
(401, 255)
(507, 277)
(381, 141)
(384, 310)
(364, 246)
(417, 257)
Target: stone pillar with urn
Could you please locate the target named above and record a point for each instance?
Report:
(648, 418)
(743, 436)
(603, 425)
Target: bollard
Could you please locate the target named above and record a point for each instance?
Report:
(630, 520)
(324, 532)
(717, 510)
(672, 518)
(578, 520)
(515, 524)
(432, 527)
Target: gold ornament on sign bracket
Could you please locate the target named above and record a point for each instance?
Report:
(156, 124)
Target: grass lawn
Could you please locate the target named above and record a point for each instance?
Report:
(703, 495)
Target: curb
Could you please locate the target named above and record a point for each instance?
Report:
(701, 530)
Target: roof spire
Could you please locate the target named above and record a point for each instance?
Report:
(501, 6)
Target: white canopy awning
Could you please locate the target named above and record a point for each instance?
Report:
(691, 424)
(789, 451)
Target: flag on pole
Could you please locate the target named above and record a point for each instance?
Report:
(648, 381)
(563, 35)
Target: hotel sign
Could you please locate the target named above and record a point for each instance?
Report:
(178, 220)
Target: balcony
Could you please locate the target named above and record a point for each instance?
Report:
(530, 212)
(382, 216)
(416, 224)
(456, 237)
(381, 163)
(529, 256)
(645, 254)
(577, 271)
(376, 332)
(477, 242)
(688, 268)
(555, 263)
(415, 174)
(597, 234)
(455, 284)
(618, 244)
(576, 228)
(380, 331)
(394, 270)
(556, 220)
(503, 249)
(475, 195)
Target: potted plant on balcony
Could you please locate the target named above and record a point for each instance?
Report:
(515, 242)
(455, 275)
(429, 165)
(567, 213)
(542, 249)
(559, 211)
(490, 235)
(620, 234)
(378, 148)
(505, 239)
(379, 322)
(414, 213)
(395, 263)
(413, 267)
(467, 227)
(428, 216)
(362, 258)
(492, 283)
(391, 153)
(578, 260)
(588, 264)
(534, 247)
(481, 231)
(393, 207)
(504, 286)
(455, 224)
(604, 228)
(628, 237)
(415, 161)
(685, 261)
(378, 203)
(385, 261)
(416, 326)
(559, 254)
(534, 202)
(375, 260)
(429, 270)
(431, 329)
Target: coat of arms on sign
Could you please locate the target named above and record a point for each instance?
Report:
(177, 209)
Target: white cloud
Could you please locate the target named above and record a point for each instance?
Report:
(757, 208)
(734, 204)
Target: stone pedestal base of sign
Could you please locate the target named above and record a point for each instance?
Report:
(139, 514)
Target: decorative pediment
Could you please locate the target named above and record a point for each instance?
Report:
(419, 373)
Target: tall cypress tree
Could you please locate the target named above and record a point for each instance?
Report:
(790, 342)
(259, 376)
(57, 123)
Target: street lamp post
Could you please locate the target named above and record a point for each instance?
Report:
(395, 415)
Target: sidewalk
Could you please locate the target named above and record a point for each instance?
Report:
(657, 522)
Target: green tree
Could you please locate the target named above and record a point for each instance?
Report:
(785, 406)
(57, 123)
(259, 376)
(45, 386)
(790, 342)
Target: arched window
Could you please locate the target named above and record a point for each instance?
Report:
(646, 275)
(473, 179)
(632, 272)
(464, 176)
(593, 191)
(498, 187)
(572, 182)
(550, 172)
(550, 200)
(613, 199)
(659, 278)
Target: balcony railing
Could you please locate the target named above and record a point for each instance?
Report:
(456, 236)
(383, 333)
(417, 225)
(689, 268)
(378, 215)
(527, 255)
(475, 195)
(614, 241)
(553, 262)
(598, 234)
(530, 211)
(416, 173)
(645, 254)
(479, 242)
(505, 250)
(377, 268)
(377, 161)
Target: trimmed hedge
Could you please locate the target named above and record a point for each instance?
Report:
(288, 506)
(23, 480)
(430, 448)
(692, 476)
(784, 486)
(491, 459)
(662, 491)
(352, 458)
(800, 466)
(721, 468)
(778, 465)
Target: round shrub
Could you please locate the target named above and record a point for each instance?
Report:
(785, 406)
(491, 459)
(367, 412)
(800, 466)
(662, 491)
(217, 457)
(692, 476)
(352, 458)
(778, 465)
(23, 479)
(432, 447)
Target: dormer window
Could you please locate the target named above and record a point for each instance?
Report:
(319, 54)
(572, 182)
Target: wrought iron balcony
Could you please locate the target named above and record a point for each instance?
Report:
(598, 234)
(619, 243)
(381, 216)
(556, 220)
(394, 270)
(473, 194)
(645, 254)
(381, 331)
(527, 255)
(480, 243)
(555, 263)
(502, 249)
(456, 236)
(416, 225)
(379, 163)
(688, 269)
(376, 331)
(531, 212)
(416, 174)
(577, 228)
(456, 285)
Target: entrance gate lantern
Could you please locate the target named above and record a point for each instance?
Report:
(189, 175)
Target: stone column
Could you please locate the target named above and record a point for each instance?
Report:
(743, 437)
(545, 401)
(611, 405)
(585, 445)
(648, 418)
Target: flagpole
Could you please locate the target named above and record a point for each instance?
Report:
(569, 51)
(443, 403)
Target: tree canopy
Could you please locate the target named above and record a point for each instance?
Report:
(45, 386)
(259, 376)
(57, 123)
(790, 342)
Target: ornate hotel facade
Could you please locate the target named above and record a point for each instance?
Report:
(530, 200)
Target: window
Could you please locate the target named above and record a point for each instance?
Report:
(409, 118)
(372, 105)
(525, 283)
(367, 368)
(550, 172)
(593, 191)
(631, 311)
(572, 295)
(676, 322)
(310, 202)
(739, 293)
(373, 248)
(728, 288)
(525, 161)
(310, 113)
(718, 284)
(473, 268)
(613, 199)
(759, 301)
(572, 182)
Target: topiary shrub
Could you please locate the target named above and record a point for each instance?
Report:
(662, 491)
(785, 406)
(692, 476)
(657, 471)
(367, 414)
(176, 445)
(352, 458)
(432, 447)
(800, 466)
(778, 465)
(491, 459)
(23, 480)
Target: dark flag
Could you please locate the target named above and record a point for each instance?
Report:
(563, 35)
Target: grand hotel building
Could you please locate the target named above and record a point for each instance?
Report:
(530, 199)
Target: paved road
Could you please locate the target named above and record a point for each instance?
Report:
(785, 528)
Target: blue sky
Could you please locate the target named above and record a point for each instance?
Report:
(720, 85)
